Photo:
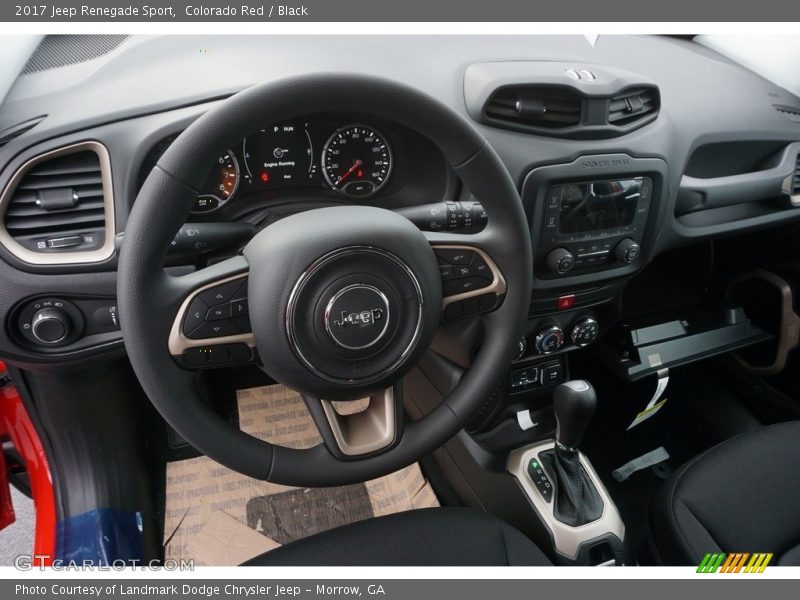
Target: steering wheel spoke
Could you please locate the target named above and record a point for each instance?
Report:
(472, 283)
(212, 326)
(359, 428)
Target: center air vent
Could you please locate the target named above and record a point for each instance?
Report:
(548, 108)
(632, 107)
(58, 208)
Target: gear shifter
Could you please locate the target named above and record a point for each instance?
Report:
(577, 501)
(574, 403)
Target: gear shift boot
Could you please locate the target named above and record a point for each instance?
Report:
(576, 499)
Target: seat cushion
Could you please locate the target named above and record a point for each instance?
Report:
(434, 536)
(740, 496)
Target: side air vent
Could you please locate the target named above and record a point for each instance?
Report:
(791, 113)
(632, 107)
(535, 107)
(58, 207)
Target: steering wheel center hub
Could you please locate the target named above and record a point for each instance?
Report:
(362, 297)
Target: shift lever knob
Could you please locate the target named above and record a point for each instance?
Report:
(574, 403)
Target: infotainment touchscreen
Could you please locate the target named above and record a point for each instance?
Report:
(598, 205)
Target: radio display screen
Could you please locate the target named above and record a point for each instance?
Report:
(598, 205)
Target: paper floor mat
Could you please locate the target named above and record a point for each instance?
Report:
(216, 516)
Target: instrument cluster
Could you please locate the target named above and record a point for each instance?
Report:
(350, 158)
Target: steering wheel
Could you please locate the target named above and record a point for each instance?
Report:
(342, 301)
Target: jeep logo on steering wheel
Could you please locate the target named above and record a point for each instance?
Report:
(348, 324)
(363, 318)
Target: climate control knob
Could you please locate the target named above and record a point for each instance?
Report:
(627, 251)
(549, 339)
(50, 325)
(584, 332)
(560, 261)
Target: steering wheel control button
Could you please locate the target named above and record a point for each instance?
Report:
(215, 329)
(222, 293)
(221, 355)
(357, 316)
(549, 339)
(560, 261)
(454, 257)
(481, 268)
(195, 316)
(584, 332)
(219, 313)
(540, 479)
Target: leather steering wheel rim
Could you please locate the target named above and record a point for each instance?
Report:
(149, 299)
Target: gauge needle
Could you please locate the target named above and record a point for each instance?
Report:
(351, 170)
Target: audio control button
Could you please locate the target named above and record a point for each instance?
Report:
(195, 316)
(627, 251)
(560, 261)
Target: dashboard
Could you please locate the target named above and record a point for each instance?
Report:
(621, 151)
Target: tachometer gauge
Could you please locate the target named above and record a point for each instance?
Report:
(356, 160)
(221, 184)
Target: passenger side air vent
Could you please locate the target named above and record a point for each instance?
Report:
(632, 106)
(536, 107)
(58, 207)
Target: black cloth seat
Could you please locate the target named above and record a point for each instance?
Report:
(740, 496)
(434, 536)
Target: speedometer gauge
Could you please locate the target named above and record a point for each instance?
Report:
(221, 184)
(356, 160)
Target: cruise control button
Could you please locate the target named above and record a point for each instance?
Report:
(446, 272)
(455, 257)
(222, 293)
(214, 330)
(468, 284)
(218, 313)
(481, 267)
(462, 271)
(194, 316)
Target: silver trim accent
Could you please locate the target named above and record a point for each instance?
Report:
(63, 258)
(338, 295)
(367, 431)
(310, 271)
(566, 539)
(498, 285)
(179, 343)
(39, 318)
